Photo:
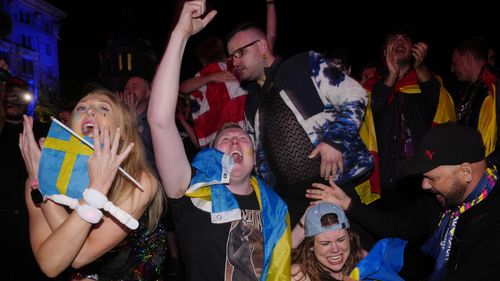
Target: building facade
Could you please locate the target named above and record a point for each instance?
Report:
(31, 47)
(126, 56)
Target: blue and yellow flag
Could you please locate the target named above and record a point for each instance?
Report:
(383, 262)
(64, 164)
(212, 171)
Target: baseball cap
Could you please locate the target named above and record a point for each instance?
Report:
(445, 144)
(314, 214)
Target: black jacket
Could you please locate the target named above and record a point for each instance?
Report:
(475, 245)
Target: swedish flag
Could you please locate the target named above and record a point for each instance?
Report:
(63, 164)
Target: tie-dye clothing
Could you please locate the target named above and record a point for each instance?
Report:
(328, 106)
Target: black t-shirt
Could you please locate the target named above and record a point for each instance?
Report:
(228, 251)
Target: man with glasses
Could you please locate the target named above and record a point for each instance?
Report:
(215, 93)
(303, 114)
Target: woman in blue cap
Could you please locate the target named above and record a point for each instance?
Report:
(330, 250)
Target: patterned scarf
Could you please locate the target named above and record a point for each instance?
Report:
(439, 245)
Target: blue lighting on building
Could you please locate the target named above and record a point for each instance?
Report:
(31, 48)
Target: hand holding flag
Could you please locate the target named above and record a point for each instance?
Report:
(65, 165)
(89, 144)
(105, 161)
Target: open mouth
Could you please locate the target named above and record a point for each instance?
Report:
(237, 156)
(334, 258)
(400, 50)
(88, 129)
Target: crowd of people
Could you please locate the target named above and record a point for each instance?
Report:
(264, 168)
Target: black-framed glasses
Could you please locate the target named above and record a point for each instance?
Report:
(240, 52)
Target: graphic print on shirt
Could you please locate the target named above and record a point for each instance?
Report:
(245, 252)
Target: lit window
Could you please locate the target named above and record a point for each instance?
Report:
(129, 61)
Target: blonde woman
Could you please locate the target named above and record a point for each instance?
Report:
(100, 249)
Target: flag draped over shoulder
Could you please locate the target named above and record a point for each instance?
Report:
(212, 169)
(445, 111)
(383, 262)
(369, 190)
(215, 104)
(63, 164)
(487, 123)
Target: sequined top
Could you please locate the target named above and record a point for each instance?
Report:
(140, 256)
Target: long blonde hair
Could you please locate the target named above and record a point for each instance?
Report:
(135, 164)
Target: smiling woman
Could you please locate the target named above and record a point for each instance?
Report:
(330, 250)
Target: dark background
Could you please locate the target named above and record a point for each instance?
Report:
(302, 25)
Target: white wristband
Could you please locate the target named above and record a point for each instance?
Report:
(64, 200)
(98, 200)
(94, 198)
(89, 214)
(121, 215)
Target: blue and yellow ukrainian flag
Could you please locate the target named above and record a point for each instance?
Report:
(64, 163)
(383, 262)
(212, 169)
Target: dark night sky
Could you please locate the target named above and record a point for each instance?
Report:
(302, 25)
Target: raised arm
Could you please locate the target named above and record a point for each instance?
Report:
(271, 23)
(199, 81)
(419, 53)
(60, 239)
(173, 165)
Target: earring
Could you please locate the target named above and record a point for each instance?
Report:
(264, 56)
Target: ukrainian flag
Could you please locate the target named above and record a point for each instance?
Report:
(212, 172)
(383, 262)
(64, 164)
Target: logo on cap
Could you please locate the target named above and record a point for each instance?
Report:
(429, 154)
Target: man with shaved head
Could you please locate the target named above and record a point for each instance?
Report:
(303, 114)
